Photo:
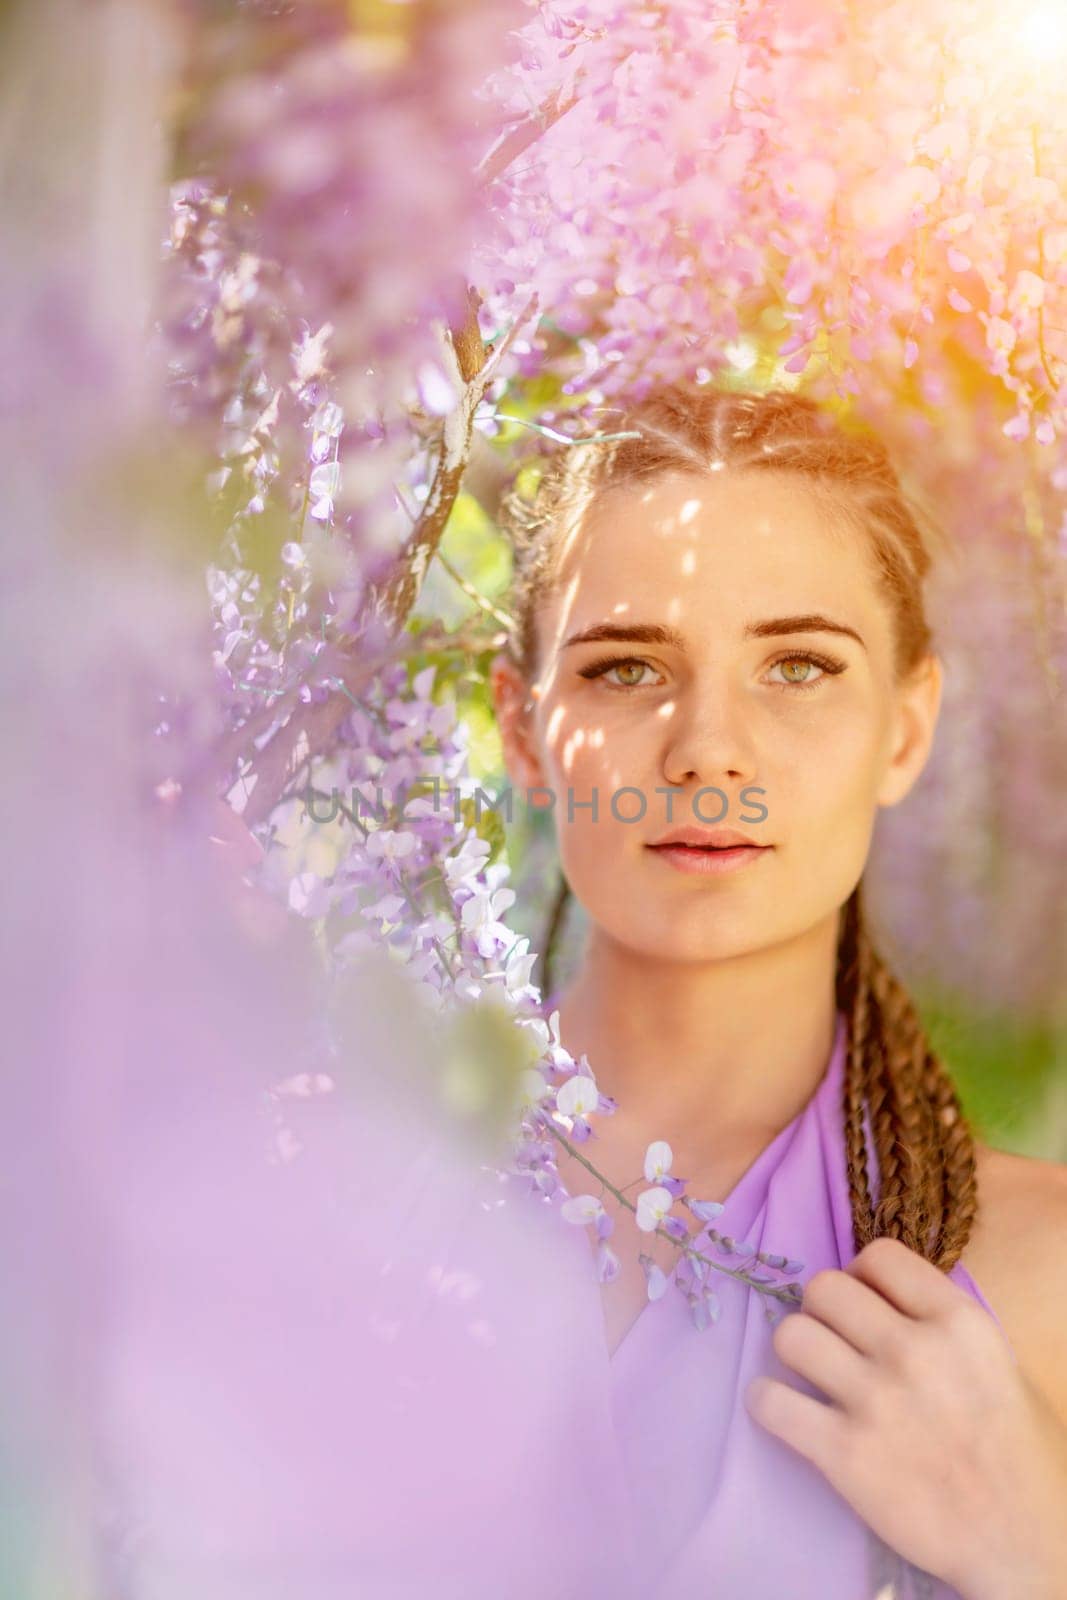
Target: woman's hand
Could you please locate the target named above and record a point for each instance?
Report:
(933, 1435)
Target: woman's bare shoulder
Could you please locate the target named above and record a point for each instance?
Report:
(1015, 1254)
(1022, 1208)
(1014, 1172)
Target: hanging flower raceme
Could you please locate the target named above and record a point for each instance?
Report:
(410, 871)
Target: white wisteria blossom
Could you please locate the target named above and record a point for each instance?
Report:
(578, 1097)
(324, 485)
(326, 424)
(552, 1048)
(518, 965)
(481, 916)
(387, 909)
(390, 844)
(582, 1209)
(464, 866)
(658, 1158)
(652, 1206)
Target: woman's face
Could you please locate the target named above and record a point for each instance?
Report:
(734, 691)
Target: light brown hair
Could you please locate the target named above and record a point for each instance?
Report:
(923, 1143)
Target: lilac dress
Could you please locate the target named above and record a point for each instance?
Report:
(720, 1506)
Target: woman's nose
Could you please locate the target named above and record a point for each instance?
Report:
(708, 738)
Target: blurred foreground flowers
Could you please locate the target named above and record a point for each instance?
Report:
(222, 1373)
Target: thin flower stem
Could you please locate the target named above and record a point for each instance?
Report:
(474, 594)
(787, 1291)
(563, 438)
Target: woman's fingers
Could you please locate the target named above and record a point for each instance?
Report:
(815, 1352)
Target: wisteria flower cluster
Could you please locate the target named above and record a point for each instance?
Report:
(347, 152)
(865, 202)
(300, 127)
(864, 184)
(418, 879)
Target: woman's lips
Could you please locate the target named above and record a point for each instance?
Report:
(693, 858)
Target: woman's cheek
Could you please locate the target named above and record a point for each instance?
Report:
(580, 779)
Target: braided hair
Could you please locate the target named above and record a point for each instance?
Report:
(923, 1145)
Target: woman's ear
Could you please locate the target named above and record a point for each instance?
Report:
(914, 725)
(513, 702)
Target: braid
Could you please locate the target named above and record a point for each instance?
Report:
(956, 1142)
(853, 998)
(923, 1144)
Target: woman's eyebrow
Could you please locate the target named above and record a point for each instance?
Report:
(810, 623)
(635, 633)
(653, 633)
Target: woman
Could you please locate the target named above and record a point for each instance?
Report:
(720, 626)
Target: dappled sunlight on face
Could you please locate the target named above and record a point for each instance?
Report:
(756, 661)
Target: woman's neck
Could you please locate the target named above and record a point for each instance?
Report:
(739, 1045)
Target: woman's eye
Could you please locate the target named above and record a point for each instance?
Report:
(629, 668)
(799, 671)
(805, 671)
